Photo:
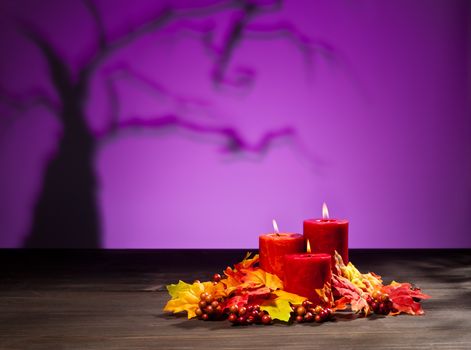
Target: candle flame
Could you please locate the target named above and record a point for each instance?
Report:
(275, 226)
(325, 211)
(308, 247)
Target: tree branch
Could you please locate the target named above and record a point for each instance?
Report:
(157, 22)
(59, 70)
(289, 31)
(100, 28)
(124, 71)
(167, 14)
(31, 99)
(234, 139)
(243, 28)
(113, 118)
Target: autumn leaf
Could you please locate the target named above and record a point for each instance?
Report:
(247, 262)
(278, 308)
(244, 276)
(279, 305)
(231, 284)
(234, 275)
(294, 299)
(185, 297)
(325, 294)
(238, 300)
(349, 294)
(402, 296)
(255, 278)
(368, 282)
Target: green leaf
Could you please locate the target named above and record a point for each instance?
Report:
(279, 309)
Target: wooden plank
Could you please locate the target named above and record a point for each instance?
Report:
(113, 302)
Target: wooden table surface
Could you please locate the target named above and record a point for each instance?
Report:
(114, 300)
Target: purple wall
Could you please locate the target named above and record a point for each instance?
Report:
(375, 121)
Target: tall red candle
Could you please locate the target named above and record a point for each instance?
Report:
(327, 235)
(274, 246)
(304, 273)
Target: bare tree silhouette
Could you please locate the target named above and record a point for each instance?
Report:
(66, 213)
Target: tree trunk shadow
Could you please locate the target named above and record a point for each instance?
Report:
(66, 213)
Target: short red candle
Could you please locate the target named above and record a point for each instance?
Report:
(274, 246)
(304, 273)
(327, 236)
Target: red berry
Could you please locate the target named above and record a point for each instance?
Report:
(242, 311)
(306, 303)
(202, 304)
(209, 309)
(232, 318)
(199, 312)
(242, 320)
(209, 299)
(318, 309)
(216, 277)
(205, 317)
(301, 310)
(299, 319)
(266, 319)
(250, 320)
(308, 317)
(233, 309)
(203, 295)
(215, 304)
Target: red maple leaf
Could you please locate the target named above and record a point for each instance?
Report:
(405, 298)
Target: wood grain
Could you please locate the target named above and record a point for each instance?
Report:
(113, 300)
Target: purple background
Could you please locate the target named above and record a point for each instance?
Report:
(380, 128)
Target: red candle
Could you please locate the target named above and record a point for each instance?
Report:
(327, 235)
(274, 246)
(304, 273)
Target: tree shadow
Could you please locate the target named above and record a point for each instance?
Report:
(66, 214)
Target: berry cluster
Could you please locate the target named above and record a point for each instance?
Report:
(247, 315)
(209, 308)
(307, 312)
(380, 303)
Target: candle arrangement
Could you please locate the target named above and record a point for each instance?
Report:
(295, 278)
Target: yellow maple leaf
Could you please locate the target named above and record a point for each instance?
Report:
(291, 297)
(280, 307)
(185, 297)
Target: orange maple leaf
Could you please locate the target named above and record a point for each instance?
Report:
(256, 278)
